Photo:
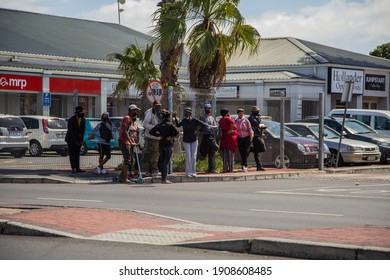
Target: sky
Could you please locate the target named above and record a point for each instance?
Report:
(354, 25)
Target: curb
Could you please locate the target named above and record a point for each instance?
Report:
(264, 246)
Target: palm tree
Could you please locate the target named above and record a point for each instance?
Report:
(217, 32)
(137, 68)
(169, 33)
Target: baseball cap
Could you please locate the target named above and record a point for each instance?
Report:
(156, 103)
(106, 113)
(133, 107)
(255, 109)
(207, 106)
(188, 110)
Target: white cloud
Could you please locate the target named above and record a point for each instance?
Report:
(347, 25)
(36, 6)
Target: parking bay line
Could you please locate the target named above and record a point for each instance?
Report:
(299, 213)
(69, 199)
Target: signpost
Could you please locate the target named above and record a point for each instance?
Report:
(46, 99)
(154, 91)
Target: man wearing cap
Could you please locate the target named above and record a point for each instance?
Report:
(152, 118)
(257, 141)
(104, 131)
(75, 137)
(208, 144)
(128, 140)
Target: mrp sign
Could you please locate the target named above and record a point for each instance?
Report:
(339, 76)
(20, 83)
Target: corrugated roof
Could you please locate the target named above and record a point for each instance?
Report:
(273, 75)
(295, 52)
(34, 33)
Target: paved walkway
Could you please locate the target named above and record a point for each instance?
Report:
(364, 242)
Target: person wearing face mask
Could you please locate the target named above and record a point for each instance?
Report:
(244, 137)
(74, 138)
(257, 141)
(104, 130)
(152, 118)
(208, 144)
(128, 140)
(228, 142)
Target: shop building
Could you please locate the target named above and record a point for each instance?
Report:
(68, 59)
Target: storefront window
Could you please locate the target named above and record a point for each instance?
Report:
(28, 104)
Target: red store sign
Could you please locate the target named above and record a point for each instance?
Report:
(20, 83)
(66, 85)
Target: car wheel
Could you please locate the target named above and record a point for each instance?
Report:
(19, 154)
(278, 161)
(35, 149)
(83, 149)
(333, 159)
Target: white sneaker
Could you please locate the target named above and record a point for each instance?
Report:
(244, 168)
(98, 170)
(103, 171)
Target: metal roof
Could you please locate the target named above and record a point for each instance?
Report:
(27, 32)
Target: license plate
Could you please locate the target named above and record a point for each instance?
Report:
(15, 133)
(371, 158)
(60, 135)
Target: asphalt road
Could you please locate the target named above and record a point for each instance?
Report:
(270, 204)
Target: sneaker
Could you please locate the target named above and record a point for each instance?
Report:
(166, 182)
(103, 171)
(193, 175)
(98, 170)
(244, 169)
(260, 169)
(127, 181)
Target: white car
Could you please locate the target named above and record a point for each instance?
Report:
(13, 135)
(46, 134)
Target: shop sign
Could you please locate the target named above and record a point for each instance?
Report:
(339, 76)
(67, 85)
(226, 92)
(277, 92)
(375, 82)
(20, 82)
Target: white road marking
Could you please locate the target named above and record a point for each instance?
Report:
(69, 199)
(300, 213)
(323, 195)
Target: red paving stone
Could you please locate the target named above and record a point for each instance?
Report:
(89, 222)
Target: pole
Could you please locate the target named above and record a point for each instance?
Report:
(321, 133)
(119, 13)
(282, 164)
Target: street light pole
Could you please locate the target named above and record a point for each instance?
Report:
(120, 10)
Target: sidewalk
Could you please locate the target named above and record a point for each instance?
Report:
(364, 242)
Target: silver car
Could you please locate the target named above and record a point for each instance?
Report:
(13, 135)
(351, 151)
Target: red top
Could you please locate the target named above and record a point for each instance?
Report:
(228, 140)
(131, 128)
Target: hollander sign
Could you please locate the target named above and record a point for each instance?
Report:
(226, 92)
(339, 76)
(375, 82)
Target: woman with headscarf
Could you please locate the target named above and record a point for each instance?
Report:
(244, 137)
(228, 142)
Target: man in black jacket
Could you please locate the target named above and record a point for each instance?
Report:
(257, 141)
(167, 132)
(74, 138)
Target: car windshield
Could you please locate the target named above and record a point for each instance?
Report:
(12, 122)
(57, 123)
(274, 128)
(328, 132)
(358, 128)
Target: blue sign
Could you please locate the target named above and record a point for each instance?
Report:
(46, 99)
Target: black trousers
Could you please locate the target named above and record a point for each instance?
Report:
(74, 155)
(205, 148)
(244, 145)
(165, 160)
(257, 150)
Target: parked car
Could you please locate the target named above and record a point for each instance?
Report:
(299, 152)
(13, 136)
(351, 151)
(90, 140)
(377, 119)
(354, 129)
(46, 134)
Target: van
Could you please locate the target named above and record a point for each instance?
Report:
(377, 119)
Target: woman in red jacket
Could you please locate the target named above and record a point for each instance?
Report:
(228, 142)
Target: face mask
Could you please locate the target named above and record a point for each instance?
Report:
(80, 115)
(134, 114)
(105, 119)
(207, 111)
